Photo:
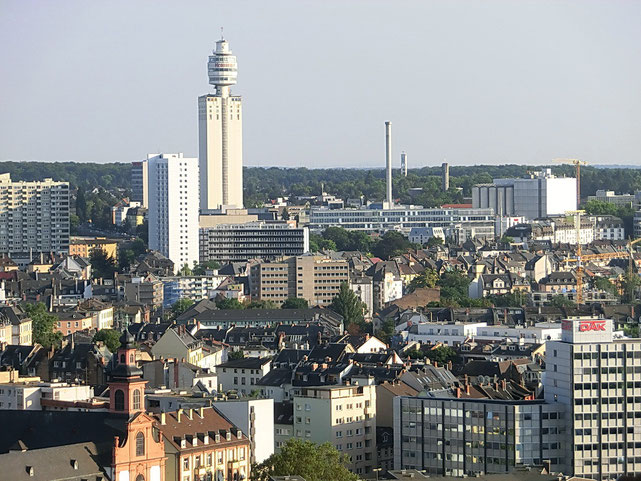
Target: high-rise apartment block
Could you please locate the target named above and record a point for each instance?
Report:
(173, 207)
(252, 240)
(314, 278)
(220, 133)
(140, 183)
(34, 216)
(597, 378)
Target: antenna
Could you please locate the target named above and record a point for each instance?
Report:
(222, 37)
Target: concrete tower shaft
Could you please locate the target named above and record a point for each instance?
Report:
(388, 162)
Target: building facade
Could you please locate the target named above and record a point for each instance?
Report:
(173, 207)
(344, 416)
(469, 437)
(140, 183)
(314, 278)
(240, 242)
(459, 224)
(34, 216)
(597, 378)
(220, 130)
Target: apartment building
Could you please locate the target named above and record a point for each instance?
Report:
(30, 396)
(344, 416)
(252, 240)
(85, 246)
(597, 378)
(314, 278)
(201, 444)
(140, 183)
(467, 437)
(189, 287)
(146, 290)
(242, 375)
(34, 216)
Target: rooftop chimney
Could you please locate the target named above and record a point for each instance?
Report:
(388, 162)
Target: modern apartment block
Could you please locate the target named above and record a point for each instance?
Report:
(34, 216)
(598, 380)
(220, 133)
(140, 183)
(252, 240)
(173, 207)
(315, 278)
(468, 437)
(344, 416)
(458, 223)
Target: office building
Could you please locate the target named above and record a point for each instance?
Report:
(538, 196)
(344, 416)
(609, 196)
(314, 278)
(462, 436)
(220, 131)
(140, 183)
(34, 216)
(240, 242)
(173, 207)
(597, 378)
(458, 223)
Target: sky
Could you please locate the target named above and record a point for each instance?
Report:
(472, 82)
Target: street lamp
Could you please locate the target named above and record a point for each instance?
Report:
(376, 470)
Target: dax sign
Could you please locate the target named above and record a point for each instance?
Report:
(598, 325)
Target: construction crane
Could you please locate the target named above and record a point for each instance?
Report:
(577, 167)
(579, 258)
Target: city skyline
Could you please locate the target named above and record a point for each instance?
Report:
(460, 90)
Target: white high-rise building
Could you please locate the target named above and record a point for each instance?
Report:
(173, 207)
(220, 130)
(34, 216)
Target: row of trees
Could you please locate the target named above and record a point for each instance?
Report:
(339, 239)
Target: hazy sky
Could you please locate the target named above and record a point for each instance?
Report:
(471, 81)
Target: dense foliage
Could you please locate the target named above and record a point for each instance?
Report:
(313, 462)
(110, 337)
(43, 325)
(349, 305)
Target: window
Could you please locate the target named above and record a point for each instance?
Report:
(140, 444)
(119, 400)
(137, 399)
(140, 477)
(185, 463)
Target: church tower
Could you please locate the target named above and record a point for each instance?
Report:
(127, 388)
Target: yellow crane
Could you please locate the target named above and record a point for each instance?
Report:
(577, 167)
(579, 257)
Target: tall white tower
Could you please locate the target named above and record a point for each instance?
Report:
(173, 207)
(220, 130)
(404, 163)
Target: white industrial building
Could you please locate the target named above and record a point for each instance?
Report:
(540, 195)
(34, 216)
(220, 133)
(173, 207)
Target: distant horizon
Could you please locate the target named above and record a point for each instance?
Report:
(475, 82)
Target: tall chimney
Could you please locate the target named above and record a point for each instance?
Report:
(445, 177)
(388, 161)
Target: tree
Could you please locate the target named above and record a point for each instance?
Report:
(203, 267)
(180, 306)
(561, 302)
(308, 460)
(434, 241)
(44, 325)
(227, 303)
(631, 282)
(295, 303)
(506, 239)
(427, 278)
(236, 355)
(454, 288)
(185, 271)
(261, 304)
(604, 284)
(102, 266)
(317, 243)
(285, 214)
(386, 332)
(511, 299)
(81, 205)
(391, 244)
(442, 355)
(349, 305)
(110, 337)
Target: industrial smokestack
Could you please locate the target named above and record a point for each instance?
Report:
(388, 161)
(404, 163)
(445, 176)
